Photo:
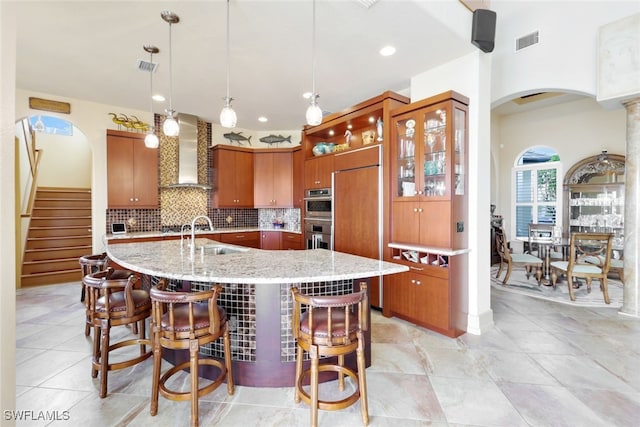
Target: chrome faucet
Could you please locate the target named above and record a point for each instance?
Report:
(193, 232)
(182, 235)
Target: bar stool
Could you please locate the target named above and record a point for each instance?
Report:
(91, 264)
(114, 302)
(184, 320)
(330, 326)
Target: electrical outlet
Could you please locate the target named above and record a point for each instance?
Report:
(459, 226)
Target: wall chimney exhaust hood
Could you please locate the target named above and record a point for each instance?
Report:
(188, 154)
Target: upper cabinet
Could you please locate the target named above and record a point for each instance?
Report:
(428, 172)
(273, 179)
(298, 177)
(232, 170)
(356, 127)
(132, 171)
(594, 197)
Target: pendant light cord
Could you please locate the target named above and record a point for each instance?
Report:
(170, 72)
(313, 55)
(228, 67)
(151, 89)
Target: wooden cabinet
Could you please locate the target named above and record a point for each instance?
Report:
(249, 239)
(428, 219)
(298, 178)
(430, 294)
(273, 179)
(232, 170)
(317, 172)
(132, 171)
(428, 172)
(270, 240)
(291, 241)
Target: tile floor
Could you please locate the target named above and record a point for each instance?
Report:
(544, 364)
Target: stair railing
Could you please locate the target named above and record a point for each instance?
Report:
(28, 154)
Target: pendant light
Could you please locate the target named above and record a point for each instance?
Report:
(228, 118)
(151, 140)
(170, 126)
(314, 112)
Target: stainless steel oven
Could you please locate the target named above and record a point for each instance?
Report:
(318, 203)
(318, 233)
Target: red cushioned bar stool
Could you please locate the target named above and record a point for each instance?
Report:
(188, 320)
(113, 301)
(330, 326)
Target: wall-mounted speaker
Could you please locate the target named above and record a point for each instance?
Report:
(483, 32)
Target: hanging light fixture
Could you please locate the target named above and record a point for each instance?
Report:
(314, 112)
(228, 118)
(151, 140)
(170, 126)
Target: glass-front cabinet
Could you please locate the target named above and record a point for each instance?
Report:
(428, 165)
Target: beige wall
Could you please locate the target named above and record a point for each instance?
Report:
(64, 153)
(575, 130)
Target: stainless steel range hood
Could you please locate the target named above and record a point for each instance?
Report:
(188, 154)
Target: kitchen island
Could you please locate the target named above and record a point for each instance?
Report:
(256, 294)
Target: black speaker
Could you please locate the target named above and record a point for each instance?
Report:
(483, 32)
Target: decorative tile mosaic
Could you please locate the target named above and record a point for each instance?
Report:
(290, 217)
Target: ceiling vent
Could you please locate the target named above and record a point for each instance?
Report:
(528, 40)
(147, 66)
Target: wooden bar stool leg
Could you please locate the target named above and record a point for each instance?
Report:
(193, 366)
(96, 351)
(300, 355)
(340, 373)
(313, 353)
(104, 356)
(227, 359)
(157, 365)
(362, 380)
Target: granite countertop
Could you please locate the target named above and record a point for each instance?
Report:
(166, 259)
(148, 234)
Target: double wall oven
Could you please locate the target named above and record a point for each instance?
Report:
(318, 219)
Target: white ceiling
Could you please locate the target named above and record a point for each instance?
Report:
(88, 50)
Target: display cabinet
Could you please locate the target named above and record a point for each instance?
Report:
(428, 172)
(594, 197)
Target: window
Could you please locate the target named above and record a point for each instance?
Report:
(537, 189)
(51, 125)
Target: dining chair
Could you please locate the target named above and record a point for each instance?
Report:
(525, 260)
(582, 248)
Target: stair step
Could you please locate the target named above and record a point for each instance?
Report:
(61, 222)
(51, 278)
(62, 203)
(49, 212)
(79, 230)
(44, 266)
(56, 253)
(68, 193)
(57, 242)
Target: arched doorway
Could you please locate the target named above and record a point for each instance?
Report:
(55, 183)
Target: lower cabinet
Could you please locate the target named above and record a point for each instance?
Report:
(291, 241)
(250, 239)
(429, 296)
(270, 240)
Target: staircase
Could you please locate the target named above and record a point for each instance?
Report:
(59, 233)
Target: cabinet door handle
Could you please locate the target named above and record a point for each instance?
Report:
(420, 210)
(415, 209)
(418, 282)
(416, 268)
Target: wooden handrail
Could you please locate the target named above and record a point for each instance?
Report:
(34, 183)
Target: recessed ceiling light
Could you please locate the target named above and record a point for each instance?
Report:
(331, 132)
(387, 51)
(306, 95)
(372, 119)
(158, 98)
(263, 119)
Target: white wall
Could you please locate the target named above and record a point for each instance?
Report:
(566, 56)
(64, 153)
(8, 216)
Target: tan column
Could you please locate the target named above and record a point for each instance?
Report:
(631, 299)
